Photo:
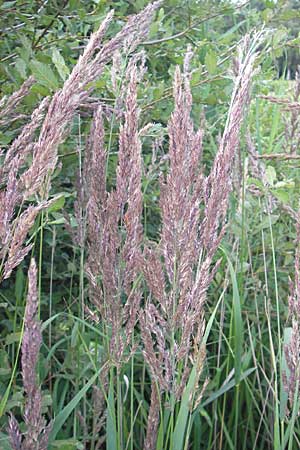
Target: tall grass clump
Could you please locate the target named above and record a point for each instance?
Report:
(139, 333)
(179, 270)
(142, 294)
(25, 184)
(35, 180)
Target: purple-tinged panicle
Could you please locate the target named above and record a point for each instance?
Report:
(181, 192)
(60, 113)
(95, 191)
(36, 179)
(32, 337)
(153, 418)
(14, 251)
(8, 201)
(114, 230)
(292, 351)
(173, 319)
(126, 203)
(74, 92)
(37, 433)
(95, 168)
(294, 298)
(7, 107)
(23, 144)
(219, 181)
(156, 352)
(17, 251)
(154, 276)
(31, 343)
(130, 160)
(14, 433)
(171, 310)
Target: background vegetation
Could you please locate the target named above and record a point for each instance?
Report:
(251, 324)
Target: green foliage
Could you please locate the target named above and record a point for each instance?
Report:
(44, 39)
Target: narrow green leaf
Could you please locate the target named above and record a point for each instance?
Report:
(67, 444)
(111, 418)
(65, 413)
(19, 286)
(5, 397)
(226, 387)
(238, 322)
(184, 410)
(283, 394)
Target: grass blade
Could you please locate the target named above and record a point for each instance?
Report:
(68, 409)
(184, 410)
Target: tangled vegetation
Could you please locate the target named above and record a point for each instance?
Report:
(149, 225)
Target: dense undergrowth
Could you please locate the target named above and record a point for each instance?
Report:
(149, 225)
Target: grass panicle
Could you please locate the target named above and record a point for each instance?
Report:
(36, 436)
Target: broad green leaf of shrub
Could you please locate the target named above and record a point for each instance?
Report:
(60, 64)
(44, 75)
(21, 67)
(57, 205)
(211, 62)
(281, 194)
(271, 175)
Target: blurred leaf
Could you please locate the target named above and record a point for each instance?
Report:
(4, 442)
(226, 387)
(211, 62)
(63, 415)
(271, 175)
(281, 194)
(5, 368)
(21, 67)
(57, 205)
(287, 333)
(44, 74)
(265, 223)
(60, 64)
(13, 337)
(111, 417)
(238, 322)
(19, 286)
(67, 444)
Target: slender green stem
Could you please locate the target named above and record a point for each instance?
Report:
(40, 262)
(131, 396)
(119, 412)
(51, 300)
